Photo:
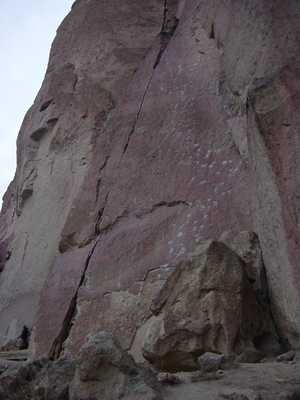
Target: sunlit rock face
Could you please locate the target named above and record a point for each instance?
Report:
(159, 124)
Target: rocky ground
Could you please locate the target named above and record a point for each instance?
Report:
(103, 370)
(263, 381)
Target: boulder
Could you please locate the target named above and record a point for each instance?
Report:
(104, 370)
(289, 356)
(210, 362)
(14, 344)
(207, 305)
(37, 379)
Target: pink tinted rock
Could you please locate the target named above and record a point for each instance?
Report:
(139, 137)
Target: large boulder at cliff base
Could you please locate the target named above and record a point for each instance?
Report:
(160, 124)
(206, 305)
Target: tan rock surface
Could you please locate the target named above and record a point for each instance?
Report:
(106, 371)
(159, 124)
(206, 305)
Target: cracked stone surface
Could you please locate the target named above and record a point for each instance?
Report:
(105, 370)
(206, 305)
(158, 125)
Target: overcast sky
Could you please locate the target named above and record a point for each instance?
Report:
(27, 29)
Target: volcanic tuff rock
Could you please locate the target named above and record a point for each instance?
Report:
(206, 305)
(37, 379)
(159, 124)
(105, 371)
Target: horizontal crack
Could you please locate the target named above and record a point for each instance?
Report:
(140, 214)
(163, 267)
(170, 204)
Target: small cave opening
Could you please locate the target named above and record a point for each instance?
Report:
(268, 343)
(45, 105)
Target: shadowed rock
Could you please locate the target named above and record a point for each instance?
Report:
(37, 379)
(103, 371)
(246, 244)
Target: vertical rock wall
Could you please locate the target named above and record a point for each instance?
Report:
(159, 124)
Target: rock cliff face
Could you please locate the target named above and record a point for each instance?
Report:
(159, 124)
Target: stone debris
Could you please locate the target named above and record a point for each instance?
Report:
(289, 356)
(8, 358)
(37, 379)
(210, 362)
(103, 370)
(106, 371)
(168, 378)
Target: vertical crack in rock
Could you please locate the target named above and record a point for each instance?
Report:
(138, 112)
(165, 16)
(99, 179)
(167, 31)
(24, 251)
(57, 344)
(7, 225)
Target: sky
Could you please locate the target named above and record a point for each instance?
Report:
(27, 29)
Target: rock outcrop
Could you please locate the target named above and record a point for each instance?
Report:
(159, 124)
(206, 305)
(37, 379)
(105, 371)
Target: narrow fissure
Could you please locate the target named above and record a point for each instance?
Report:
(99, 178)
(57, 344)
(170, 204)
(167, 30)
(7, 225)
(166, 33)
(283, 342)
(165, 16)
(138, 112)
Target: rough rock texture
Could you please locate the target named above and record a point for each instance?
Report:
(103, 370)
(106, 371)
(159, 124)
(206, 305)
(210, 362)
(17, 344)
(37, 379)
(266, 381)
(247, 246)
